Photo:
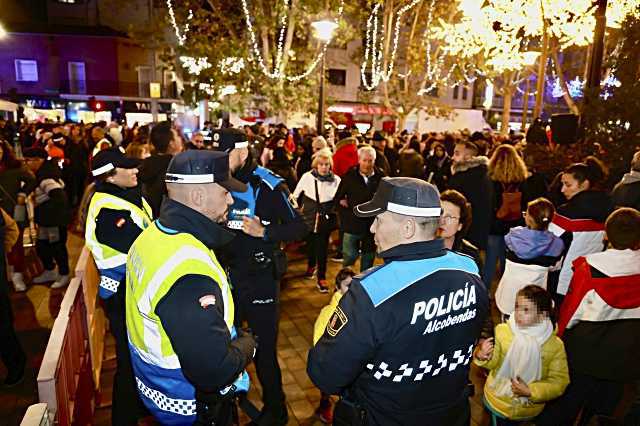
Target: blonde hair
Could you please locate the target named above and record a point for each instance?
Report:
(323, 154)
(506, 165)
(319, 142)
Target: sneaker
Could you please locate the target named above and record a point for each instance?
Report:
(325, 412)
(46, 276)
(337, 258)
(322, 286)
(18, 281)
(311, 273)
(62, 281)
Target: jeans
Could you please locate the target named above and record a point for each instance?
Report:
(54, 253)
(495, 251)
(352, 244)
(318, 245)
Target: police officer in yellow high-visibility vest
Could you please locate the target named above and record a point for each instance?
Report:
(187, 357)
(117, 214)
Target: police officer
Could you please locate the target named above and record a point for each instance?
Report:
(117, 214)
(399, 345)
(261, 217)
(186, 354)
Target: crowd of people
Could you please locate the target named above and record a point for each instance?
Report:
(462, 221)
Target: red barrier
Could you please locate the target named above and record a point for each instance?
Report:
(66, 376)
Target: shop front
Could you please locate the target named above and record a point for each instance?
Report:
(40, 109)
(362, 116)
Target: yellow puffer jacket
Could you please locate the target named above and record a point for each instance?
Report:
(555, 376)
(324, 316)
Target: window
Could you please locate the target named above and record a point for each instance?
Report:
(144, 78)
(337, 77)
(77, 78)
(465, 93)
(456, 90)
(26, 70)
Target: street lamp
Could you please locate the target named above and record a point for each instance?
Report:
(323, 31)
(3, 32)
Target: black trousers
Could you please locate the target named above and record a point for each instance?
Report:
(11, 351)
(592, 395)
(126, 406)
(257, 299)
(317, 247)
(54, 253)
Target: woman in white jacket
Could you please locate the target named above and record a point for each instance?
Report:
(318, 187)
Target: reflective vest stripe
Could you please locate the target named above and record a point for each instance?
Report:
(183, 407)
(108, 259)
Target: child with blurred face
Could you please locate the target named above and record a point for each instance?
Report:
(527, 361)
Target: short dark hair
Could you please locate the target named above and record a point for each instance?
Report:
(541, 298)
(343, 274)
(623, 229)
(161, 136)
(456, 198)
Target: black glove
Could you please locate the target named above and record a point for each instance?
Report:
(245, 343)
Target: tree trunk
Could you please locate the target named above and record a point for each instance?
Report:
(542, 69)
(507, 94)
(525, 105)
(291, 25)
(563, 83)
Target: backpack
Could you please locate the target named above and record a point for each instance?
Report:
(510, 207)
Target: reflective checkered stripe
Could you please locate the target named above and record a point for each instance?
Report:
(183, 407)
(109, 261)
(156, 261)
(109, 284)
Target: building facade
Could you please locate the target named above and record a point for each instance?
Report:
(76, 62)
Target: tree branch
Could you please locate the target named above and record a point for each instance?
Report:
(563, 83)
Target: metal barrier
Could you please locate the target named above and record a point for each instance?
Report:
(69, 375)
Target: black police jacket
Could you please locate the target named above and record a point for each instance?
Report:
(400, 342)
(268, 199)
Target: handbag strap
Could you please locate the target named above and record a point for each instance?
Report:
(315, 181)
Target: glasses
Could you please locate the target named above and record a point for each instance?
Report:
(449, 220)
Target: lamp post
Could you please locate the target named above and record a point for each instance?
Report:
(323, 31)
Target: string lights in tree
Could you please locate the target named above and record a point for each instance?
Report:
(193, 65)
(278, 73)
(181, 36)
(231, 65)
(373, 48)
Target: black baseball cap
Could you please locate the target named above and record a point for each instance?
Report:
(405, 196)
(199, 166)
(228, 139)
(377, 136)
(110, 158)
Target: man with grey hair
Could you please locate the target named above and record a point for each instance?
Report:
(627, 192)
(399, 345)
(358, 186)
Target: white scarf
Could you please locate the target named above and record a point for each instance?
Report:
(523, 358)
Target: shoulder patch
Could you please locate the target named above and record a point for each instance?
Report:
(383, 283)
(337, 321)
(271, 179)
